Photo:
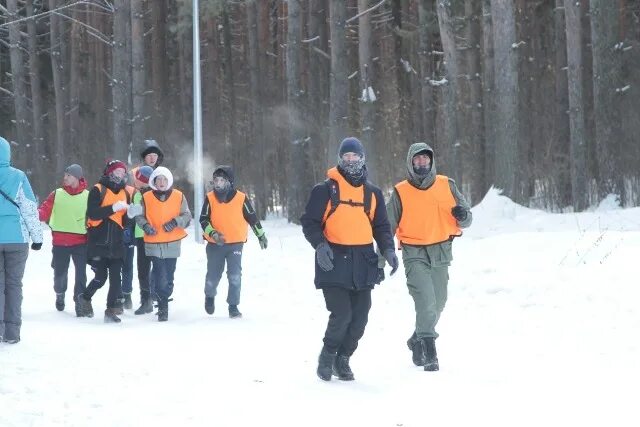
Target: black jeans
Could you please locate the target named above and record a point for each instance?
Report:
(60, 263)
(163, 271)
(349, 316)
(103, 268)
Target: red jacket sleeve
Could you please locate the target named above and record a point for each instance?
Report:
(44, 211)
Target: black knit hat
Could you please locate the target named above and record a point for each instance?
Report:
(351, 145)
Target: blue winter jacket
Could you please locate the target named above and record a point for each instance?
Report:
(18, 224)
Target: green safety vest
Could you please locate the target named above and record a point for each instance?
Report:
(69, 212)
(137, 199)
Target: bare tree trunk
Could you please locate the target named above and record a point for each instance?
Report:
(256, 130)
(452, 94)
(58, 88)
(427, 20)
(339, 89)
(506, 97)
(298, 152)
(229, 83)
(475, 176)
(159, 65)
(607, 85)
(138, 76)
(577, 119)
(120, 81)
(561, 127)
(488, 94)
(37, 101)
(367, 92)
(18, 79)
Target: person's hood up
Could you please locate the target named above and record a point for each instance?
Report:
(5, 153)
(161, 170)
(151, 146)
(225, 170)
(415, 179)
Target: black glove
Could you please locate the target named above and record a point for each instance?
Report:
(218, 238)
(324, 255)
(392, 260)
(149, 230)
(36, 246)
(263, 241)
(459, 213)
(169, 226)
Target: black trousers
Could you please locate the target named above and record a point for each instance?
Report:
(60, 263)
(103, 268)
(349, 316)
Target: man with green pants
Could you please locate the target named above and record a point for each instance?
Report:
(426, 212)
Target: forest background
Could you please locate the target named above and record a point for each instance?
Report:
(536, 97)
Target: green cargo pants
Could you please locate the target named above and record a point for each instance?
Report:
(427, 286)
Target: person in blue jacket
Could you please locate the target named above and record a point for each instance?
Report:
(19, 224)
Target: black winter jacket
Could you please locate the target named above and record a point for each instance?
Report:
(355, 267)
(107, 239)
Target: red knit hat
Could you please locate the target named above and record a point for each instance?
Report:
(113, 165)
(143, 173)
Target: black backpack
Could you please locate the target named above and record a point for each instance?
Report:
(334, 196)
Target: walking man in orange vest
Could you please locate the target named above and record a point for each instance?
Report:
(225, 215)
(426, 212)
(342, 218)
(164, 217)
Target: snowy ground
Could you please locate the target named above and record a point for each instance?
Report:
(540, 329)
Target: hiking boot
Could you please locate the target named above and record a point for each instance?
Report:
(146, 306)
(127, 303)
(341, 368)
(163, 311)
(234, 312)
(60, 301)
(85, 306)
(209, 306)
(325, 365)
(430, 355)
(415, 346)
(110, 316)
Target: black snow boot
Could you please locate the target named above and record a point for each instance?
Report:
(430, 354)
(341, 368)
(128, 304)
(146, 306)
(325, 365)
(110, 316)
(209, 305)
(163, 310)
(85, 306)
(415, 346)
(234, 312)
(60, 301)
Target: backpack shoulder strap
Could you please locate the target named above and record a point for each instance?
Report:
(334, 197)
(368, 194)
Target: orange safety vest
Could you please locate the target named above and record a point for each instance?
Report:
(426, 214)
(348, 224)
(227, 218)
(109, 199)
(159, 213)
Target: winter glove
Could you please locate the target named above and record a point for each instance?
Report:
(169, 226)
(149, 230)
(459, 213)
(324, 255)
(134, 210)
(263, 241)
(392, 260)
(218, 238)
(36, 246)
(119, 205)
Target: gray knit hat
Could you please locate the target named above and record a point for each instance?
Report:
(74, 170)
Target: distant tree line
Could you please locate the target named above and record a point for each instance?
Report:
(536, 97)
